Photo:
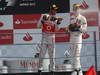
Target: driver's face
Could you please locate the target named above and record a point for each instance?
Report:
(76, 10)
(52, 12)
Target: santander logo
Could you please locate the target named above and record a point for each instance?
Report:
(28, 37)
(1, 24)
(20, 21)
(84, 5)
(17, 21)
(85, 36)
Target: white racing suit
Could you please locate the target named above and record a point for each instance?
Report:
(76, 43)
(48, 43)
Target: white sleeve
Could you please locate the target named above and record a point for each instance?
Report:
(39, 23)
(84, 25)
(72, 19)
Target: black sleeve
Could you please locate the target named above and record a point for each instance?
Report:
(58, 22)
(44, 18)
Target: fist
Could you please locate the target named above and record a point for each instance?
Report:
(74, 27)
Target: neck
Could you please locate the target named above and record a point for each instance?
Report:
(51, 15)
(77, 14)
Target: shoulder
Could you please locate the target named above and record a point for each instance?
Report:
(45, 16)
(83, 17)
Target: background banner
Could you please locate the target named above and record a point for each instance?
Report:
(31, 6)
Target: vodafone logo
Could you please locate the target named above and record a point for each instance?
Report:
(50, 23)
(28, 37)
(20, 21)
(48, 27)
(1, 24)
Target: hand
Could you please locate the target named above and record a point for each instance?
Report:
(59, 18)
(37, 55)
(74, 27)
(65, 29)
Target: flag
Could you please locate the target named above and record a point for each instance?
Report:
(84, 5)
(91, 71)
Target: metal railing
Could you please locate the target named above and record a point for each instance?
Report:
(28, 63)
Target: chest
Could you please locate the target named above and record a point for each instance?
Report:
(48, 27)
(77, 20)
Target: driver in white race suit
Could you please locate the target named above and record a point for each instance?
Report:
(76, 28)
(49, 24)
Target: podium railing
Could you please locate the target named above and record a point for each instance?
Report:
(21, 56)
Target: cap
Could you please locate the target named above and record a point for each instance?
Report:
(76, 5)
(53, 7)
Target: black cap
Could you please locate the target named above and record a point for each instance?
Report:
(53, 7)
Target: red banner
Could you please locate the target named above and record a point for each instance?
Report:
(92, 18)
(6, 37)
(61, 36)
(26, 21)
(99, 4)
